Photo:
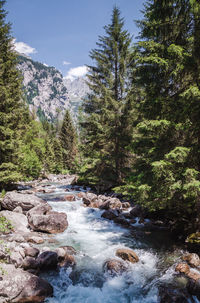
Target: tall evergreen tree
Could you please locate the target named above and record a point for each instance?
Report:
(166, 173)
(105, 131)
(12, 111)
(68, 140)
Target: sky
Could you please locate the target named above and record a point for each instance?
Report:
(61, 33)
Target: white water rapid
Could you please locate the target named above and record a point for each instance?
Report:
(96, 240)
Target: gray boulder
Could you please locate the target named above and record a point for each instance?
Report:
(18, 221)
(42, 218)
(25, 201)
(18, 286)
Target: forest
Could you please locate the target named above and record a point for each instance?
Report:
(138, 133)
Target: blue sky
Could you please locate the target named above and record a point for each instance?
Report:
(61, 33)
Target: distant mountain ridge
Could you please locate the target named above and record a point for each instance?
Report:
(48, 94)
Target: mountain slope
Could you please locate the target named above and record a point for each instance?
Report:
(44, 88)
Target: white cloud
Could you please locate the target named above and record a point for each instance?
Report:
(45, 64)
(76, 72)
(66, 63)
(24, 48)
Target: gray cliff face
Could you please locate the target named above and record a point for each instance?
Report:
(48, 94)
(78, 90)
(45, 90)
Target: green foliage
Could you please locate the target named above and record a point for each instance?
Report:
(5, 225)
(68, 141)
(105, 122)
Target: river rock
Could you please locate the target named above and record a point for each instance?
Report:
(31, 251)
(18, 221)
(114, 266)
(127, 255)
(194, 275)
(111, 203)
(35, 239)
(136, 211)
(183, 268)
(169, 294)
(110, 214)
(18, 286)
(192, 259)
(122, 221)
(126, 205)
(42, 218)
(69, 198)
(29, 263)
(194, 288)
(67, 261)
(25, 201)
(47, 260)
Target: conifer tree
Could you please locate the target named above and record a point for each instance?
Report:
(104, 130)
(68, 140)
(166, 144)
(11, 106)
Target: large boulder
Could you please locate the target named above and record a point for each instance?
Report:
(25, 201)
(18, 286)
(18, 221)
(114, 267)
(42, 218)
(127, 255)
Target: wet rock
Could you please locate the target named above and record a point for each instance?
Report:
(183, 268)
(136, 211)
(194, 288)
(31, 251)
(114, 267)
(35, 239)
(42, 218)
(18, 221)
(47, 260)
(29, 263)
(69, 250)
(19, 286)
(96, 204)
(127, 255)
(25, 201)
(110, 214)
(81, 195)
(194, 275)
(122, 221)
(192, 259)
(169, 294)
(126, 205)
(67, 261)
(69, 198)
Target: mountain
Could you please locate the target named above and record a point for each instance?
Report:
(44, 88)
(48, 93)
(77, 90)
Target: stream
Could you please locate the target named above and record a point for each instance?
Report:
(96, 240)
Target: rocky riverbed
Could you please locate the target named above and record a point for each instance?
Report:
(70, 245)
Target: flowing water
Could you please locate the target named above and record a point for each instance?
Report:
(96, 240)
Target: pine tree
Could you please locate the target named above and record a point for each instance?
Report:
(166, 142)
(68, 140)
(12, 110)
(105, 132)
